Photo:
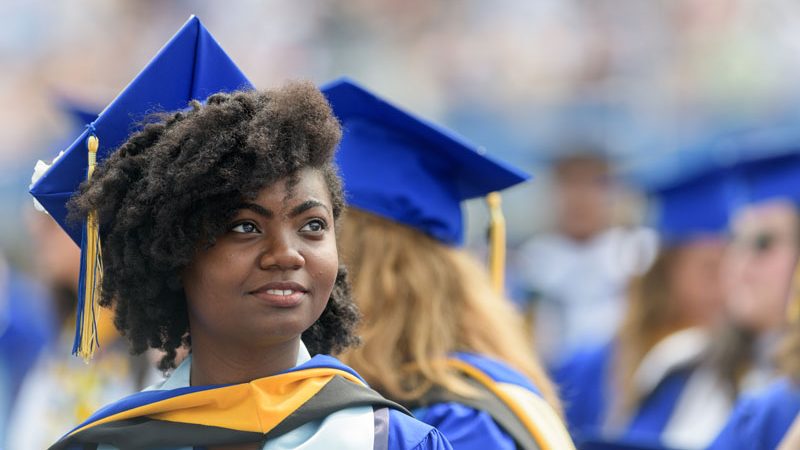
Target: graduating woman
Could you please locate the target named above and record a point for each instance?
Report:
(758, 269)
(217, 229)
(459, 356)
(762, 419)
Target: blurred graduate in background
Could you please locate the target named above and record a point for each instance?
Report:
(758, 270)
(26, 329)
(61, 390)
(650, 385)
(31, 312)
(436, 335)
(768, 306)
(586, 244)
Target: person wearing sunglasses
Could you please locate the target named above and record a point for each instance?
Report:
(758, 273)
(765, 303)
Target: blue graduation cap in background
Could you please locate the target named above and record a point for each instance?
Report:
(773, 178)
(407, 169)
(767, 158)
(81, 114)
(191, 66)
(698, 206)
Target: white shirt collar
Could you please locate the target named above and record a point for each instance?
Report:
(181, 376)
(677, 350)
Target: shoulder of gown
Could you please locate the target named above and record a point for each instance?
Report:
(466, 427)
(761, 420)
(583, 379)
(408, 433)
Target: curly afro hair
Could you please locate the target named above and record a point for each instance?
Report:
(172, 188)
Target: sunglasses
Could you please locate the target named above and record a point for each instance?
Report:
(761, 242)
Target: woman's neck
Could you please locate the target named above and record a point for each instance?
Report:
(216, 363)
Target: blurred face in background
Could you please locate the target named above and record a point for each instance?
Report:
(583, 191)
(695, 281)
(760, 263)
(56, 259)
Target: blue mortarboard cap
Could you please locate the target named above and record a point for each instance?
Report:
(191, 66)
(773, 178)
(701, 205)
(79, 113)
(408, 169)
(768, 159)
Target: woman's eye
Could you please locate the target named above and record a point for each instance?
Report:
(315, 226)
(245, 227)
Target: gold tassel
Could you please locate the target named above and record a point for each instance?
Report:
(497, 242)
(93, 274)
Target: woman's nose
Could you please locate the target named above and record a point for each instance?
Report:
(280, 253)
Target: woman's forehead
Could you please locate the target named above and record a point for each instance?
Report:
(771, 215)
(304, 185)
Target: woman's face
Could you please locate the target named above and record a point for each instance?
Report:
(695, 281)
(760, 263)
(269, 276)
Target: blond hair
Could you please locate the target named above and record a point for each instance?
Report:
(649, 317)
(422, 301)
(788, 354)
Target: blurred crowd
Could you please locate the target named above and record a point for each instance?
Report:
(630, 278)
(520, 77)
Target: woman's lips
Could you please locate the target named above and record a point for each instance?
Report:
(281, 294)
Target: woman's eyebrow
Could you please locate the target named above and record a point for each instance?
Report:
(305, 206)
(258, 209)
